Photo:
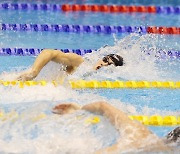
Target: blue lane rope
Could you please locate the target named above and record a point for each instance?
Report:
(97, 29)
(28, 6)
(168, 9)
(58, 7)
(74, 28)
(35, 52)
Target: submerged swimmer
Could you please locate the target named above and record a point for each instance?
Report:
(70, 60)
(134, 135)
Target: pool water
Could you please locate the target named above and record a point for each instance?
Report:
(42, 132)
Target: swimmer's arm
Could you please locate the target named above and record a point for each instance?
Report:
(43, 58)
(119, 119)
(116, 116)
(112, 114)
(136, 133)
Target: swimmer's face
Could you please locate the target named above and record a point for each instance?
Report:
(104, 62)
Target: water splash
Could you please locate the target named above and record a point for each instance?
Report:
(64, 135)
(140, 56)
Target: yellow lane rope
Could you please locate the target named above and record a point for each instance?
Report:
(97, 84)
(154, 120)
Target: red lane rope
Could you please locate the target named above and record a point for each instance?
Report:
(108, 8)
(163, 30)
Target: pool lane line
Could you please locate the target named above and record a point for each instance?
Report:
(120, 8)
(94, 29)
(92, 8)
(153, 120)
(93, 84)
(34, 52)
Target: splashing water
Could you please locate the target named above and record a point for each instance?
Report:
(55, 134)
(138, 64)
(141, 58)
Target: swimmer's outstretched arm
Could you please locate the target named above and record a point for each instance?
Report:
(134, 135)
(51, 55)
(42, 59)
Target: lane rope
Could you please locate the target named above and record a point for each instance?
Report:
(120, 8)
(154, 120)
(34, 52)
(92, 8)
(96, 84)
(97, 29)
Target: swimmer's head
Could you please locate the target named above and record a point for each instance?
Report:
(173, 136)
(114, 59)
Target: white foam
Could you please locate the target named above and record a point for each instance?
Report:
(51, 132)
(138, 65)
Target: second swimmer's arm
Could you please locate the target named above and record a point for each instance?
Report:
(117, 117)
(136, 133)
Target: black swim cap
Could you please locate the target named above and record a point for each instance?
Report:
(173, 136)
(116, 59)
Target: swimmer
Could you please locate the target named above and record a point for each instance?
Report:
(134, 135)
(69, 60)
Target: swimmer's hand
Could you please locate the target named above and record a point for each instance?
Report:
(26, 76)
(65, 108)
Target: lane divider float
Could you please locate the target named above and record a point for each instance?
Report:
(29, 6)
(120, 8)
(96, 84)
(35, 52)
(154, 120)
(124, 84)
(92, 8)
(98, 29)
